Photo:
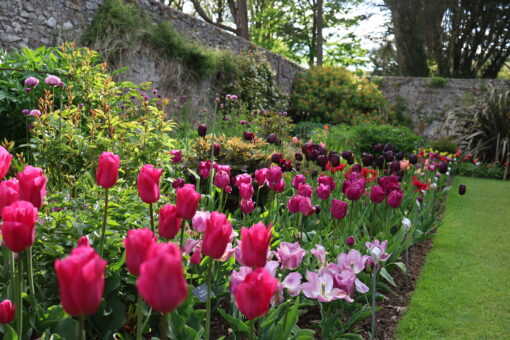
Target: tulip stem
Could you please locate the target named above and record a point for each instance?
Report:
(19, 307)
(374, 282)
(163, 327)
(152, 217)
(103, 230)
(252, 329)
(14, 283)
(181, 242)
(81, 329)
(208, 302)
(30, 271)
(139, 327)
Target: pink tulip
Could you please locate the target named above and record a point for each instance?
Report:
(246, 206)
(148, 183)
(255, 244)
(169, 223)
(274, 175)
(7, 311)
(305, 206)
(107, 170)
(395, 198)
(199, 221)
(305, 189)
(9, 192)
(291, 255)
(217, 235)
(323, 191)
(32, 185)
(338, 209)
(221, 179)
(294, 203)
(377, 194)
(137, 244)
(298, 179)
(320, 287)
(277, 187)
(246, 191)
(260, 176)
(176, 156)
(187, 201)
(5, 162)
(254, 294)
(18, 227)
(327, 181)
(205, 169)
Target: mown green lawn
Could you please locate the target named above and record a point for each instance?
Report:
(464, 288)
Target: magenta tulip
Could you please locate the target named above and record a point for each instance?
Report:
(255, 244)
(246, 206)
(187, 201)
(107, 170)
(9, 192)
(32, 185)
(5, 162)
(217, 235)
(323, 191)
(148, 183)
(18, 227)
(338, 209)
(395, 198)
(137, 244)
(7, 311)
(246, 191)
(169, 222)
(253, 295)
(377, 194)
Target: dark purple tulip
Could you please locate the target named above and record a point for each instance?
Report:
(356, 167)
(347, 154)
(305, 148)
(400, 155)
(321, 161)
(367, 159)
(334, 158)
(275, 158)
(378, 148)
(443, 167)
(299, 156)
(317, 209)
(413, 159)
(380, 161)
(216, 150)
(395, 166)
(297, 166)
(350, 160)
(178, 183)
(272, 139)
(202, 130)
(462, 189)
(314, 173)
(400, 175)
(286, 165)
(388, 147)
(420, 199)
(322, 150)
(248, 135)
(389, 156)
(350, 241)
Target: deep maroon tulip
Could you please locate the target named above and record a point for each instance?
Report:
(321, 160)
(350, 160)
(367, 159)
(5, 162)
(443, 167)
(169, 224)
(413, 159)
(246, 206)
(338, 209)
(356, 167)
(350, 241)
(399, 155)
(249, 136)
(9, 192)
(395, 166)
(148, 183)
(253, 295)
(462, 189)
(178, 183)
(315, 172)
(388, 147)
(323, 191)
(217, 235)
(137, 244)
(389, 183)
(176, 156)
(255, 244)
(187, 201)
(81, 280)
(379, 161)
(317, 209)
(107, 170)
(272, 139)
(216, 150)
(395, 198)
(275, 158)
(286, 165)
(378, 148)
(7, 311)
(161, 282)
(32, 185)
(18, 227)
(202, 130)
(298, 156)
(389, 156)
(377, 194)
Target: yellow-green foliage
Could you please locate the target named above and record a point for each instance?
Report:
(332, 94)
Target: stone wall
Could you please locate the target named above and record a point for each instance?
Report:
(32, 23)
(427, 104)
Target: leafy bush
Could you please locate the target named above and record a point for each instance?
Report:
(306, 129)
(445, 144)
(335, 95)
(485, 127)
(438, 82)
(480, 170)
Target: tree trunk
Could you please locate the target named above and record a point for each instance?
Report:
(242, 19)
(320, 24)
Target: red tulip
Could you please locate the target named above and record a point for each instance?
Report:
(5, 162)
(148, 183)
(9, 192)
(7, 311)
(187, 201)
(81, 281)
(32, 185)
(217, 235)
(161, 282)
(253, 295)
(255, 244)
(137, 243)
(18, 228)
(169, 223)
(338, 209)
(107, 170)
(377, 194)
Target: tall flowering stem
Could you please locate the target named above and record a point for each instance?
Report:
(252, 328)
(181, 241)
(208, 303)
(139, 316)
(163, 327)
(105, 216)
(19, 306)
(30, 271)
(374, 283)
(81, 328)
(151, 212)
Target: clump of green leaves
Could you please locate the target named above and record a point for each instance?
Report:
(335, 95)
(438, 82)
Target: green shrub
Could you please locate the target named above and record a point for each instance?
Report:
(480, 170)
(335, 95)
(306, 129)
(438, 82)
(402, 138)
(445, 144)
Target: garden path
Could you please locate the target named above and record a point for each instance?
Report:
(464, 289)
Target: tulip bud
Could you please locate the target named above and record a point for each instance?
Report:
(350, 241)
(32, 185)
(169, 223)
(246, 206)
(7, 311)
(367, 159)
(187, 201)
(298, 156)
(5, 162)
(107, 170)
(18, 225)
(217, 235)
(338, 209)
(462, 189)
(253, 295)
(81, 280)
(293, 204)
(148, 183)
(275, 158)
(255, 244)
(394, 198)
(216, 150)
(137, 244)
(406, 223)
(178, 183)
(202, 130)
(9, 192)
